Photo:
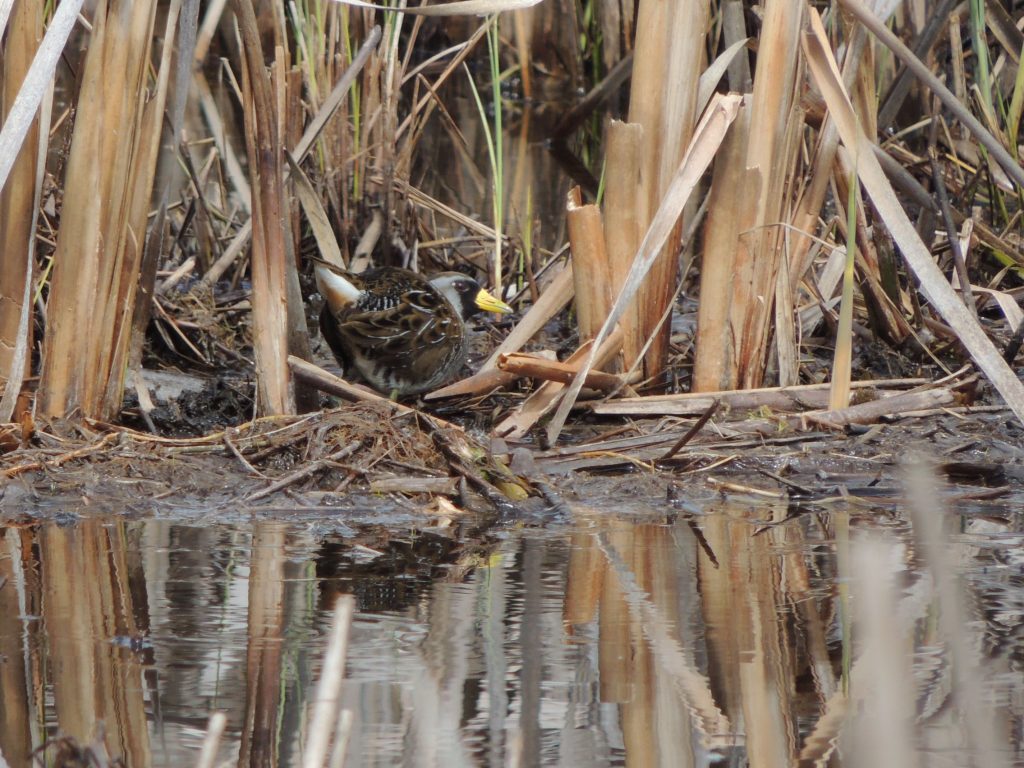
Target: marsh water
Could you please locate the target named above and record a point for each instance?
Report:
(716, 629)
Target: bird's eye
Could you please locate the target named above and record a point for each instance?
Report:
(461, 286)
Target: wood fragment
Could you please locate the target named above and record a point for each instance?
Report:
(546, 397)
(589, 265)
(870, 412)
(776, 398)
(535, 367)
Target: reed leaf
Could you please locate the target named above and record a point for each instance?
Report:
(839, 393)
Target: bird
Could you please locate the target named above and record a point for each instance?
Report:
(402, 333)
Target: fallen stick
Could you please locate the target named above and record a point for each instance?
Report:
(305, 471)
(534, 367)
(871, 412)
(545, 398)
(777, 398)
(325, 381)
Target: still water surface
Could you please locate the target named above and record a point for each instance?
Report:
(634, 633)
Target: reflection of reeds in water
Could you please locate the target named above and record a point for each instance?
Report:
(650, 639)
(19, 592)
(756, 662)
(89, 588)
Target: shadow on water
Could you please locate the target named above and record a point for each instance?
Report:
(635, 634)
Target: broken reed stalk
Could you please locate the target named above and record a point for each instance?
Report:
(269, 262)
(553, 370)
(544, 399)
(623, 230)
(558, 293)
(670, 40)
(108, 186)
(589, 265)
(771, 156)
(19, 206)
(707, 138)
(327, 699)
(715, 365)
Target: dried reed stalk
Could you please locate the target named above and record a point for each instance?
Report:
(935, 525)
(211, 741)
(666, 77)
(545, 398)
(558, 293)
(584, 580)
(808, 208)
(553, 370)
(589, 265)
(706, 141)
(795, 398)
(19, 202)
(108, 187)
(934, 285)
(623, 229)
(92, 586)
(715, 365)
(264, 651)
(269, 255)
(771, 154)
(328, 691)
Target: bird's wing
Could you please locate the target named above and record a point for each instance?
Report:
(399, 329)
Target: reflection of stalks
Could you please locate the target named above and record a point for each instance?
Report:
(329, 721)
(693, 687)
(929, 515)
(211, 742)
(882, 680)
(328, 718)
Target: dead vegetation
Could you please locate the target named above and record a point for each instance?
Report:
(825, 191)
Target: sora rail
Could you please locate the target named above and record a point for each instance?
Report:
(402, 333)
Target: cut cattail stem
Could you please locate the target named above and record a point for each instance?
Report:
(589, 264)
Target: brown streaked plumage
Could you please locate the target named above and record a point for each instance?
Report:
(402, 333)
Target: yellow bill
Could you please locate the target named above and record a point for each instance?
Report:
(489, 303)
